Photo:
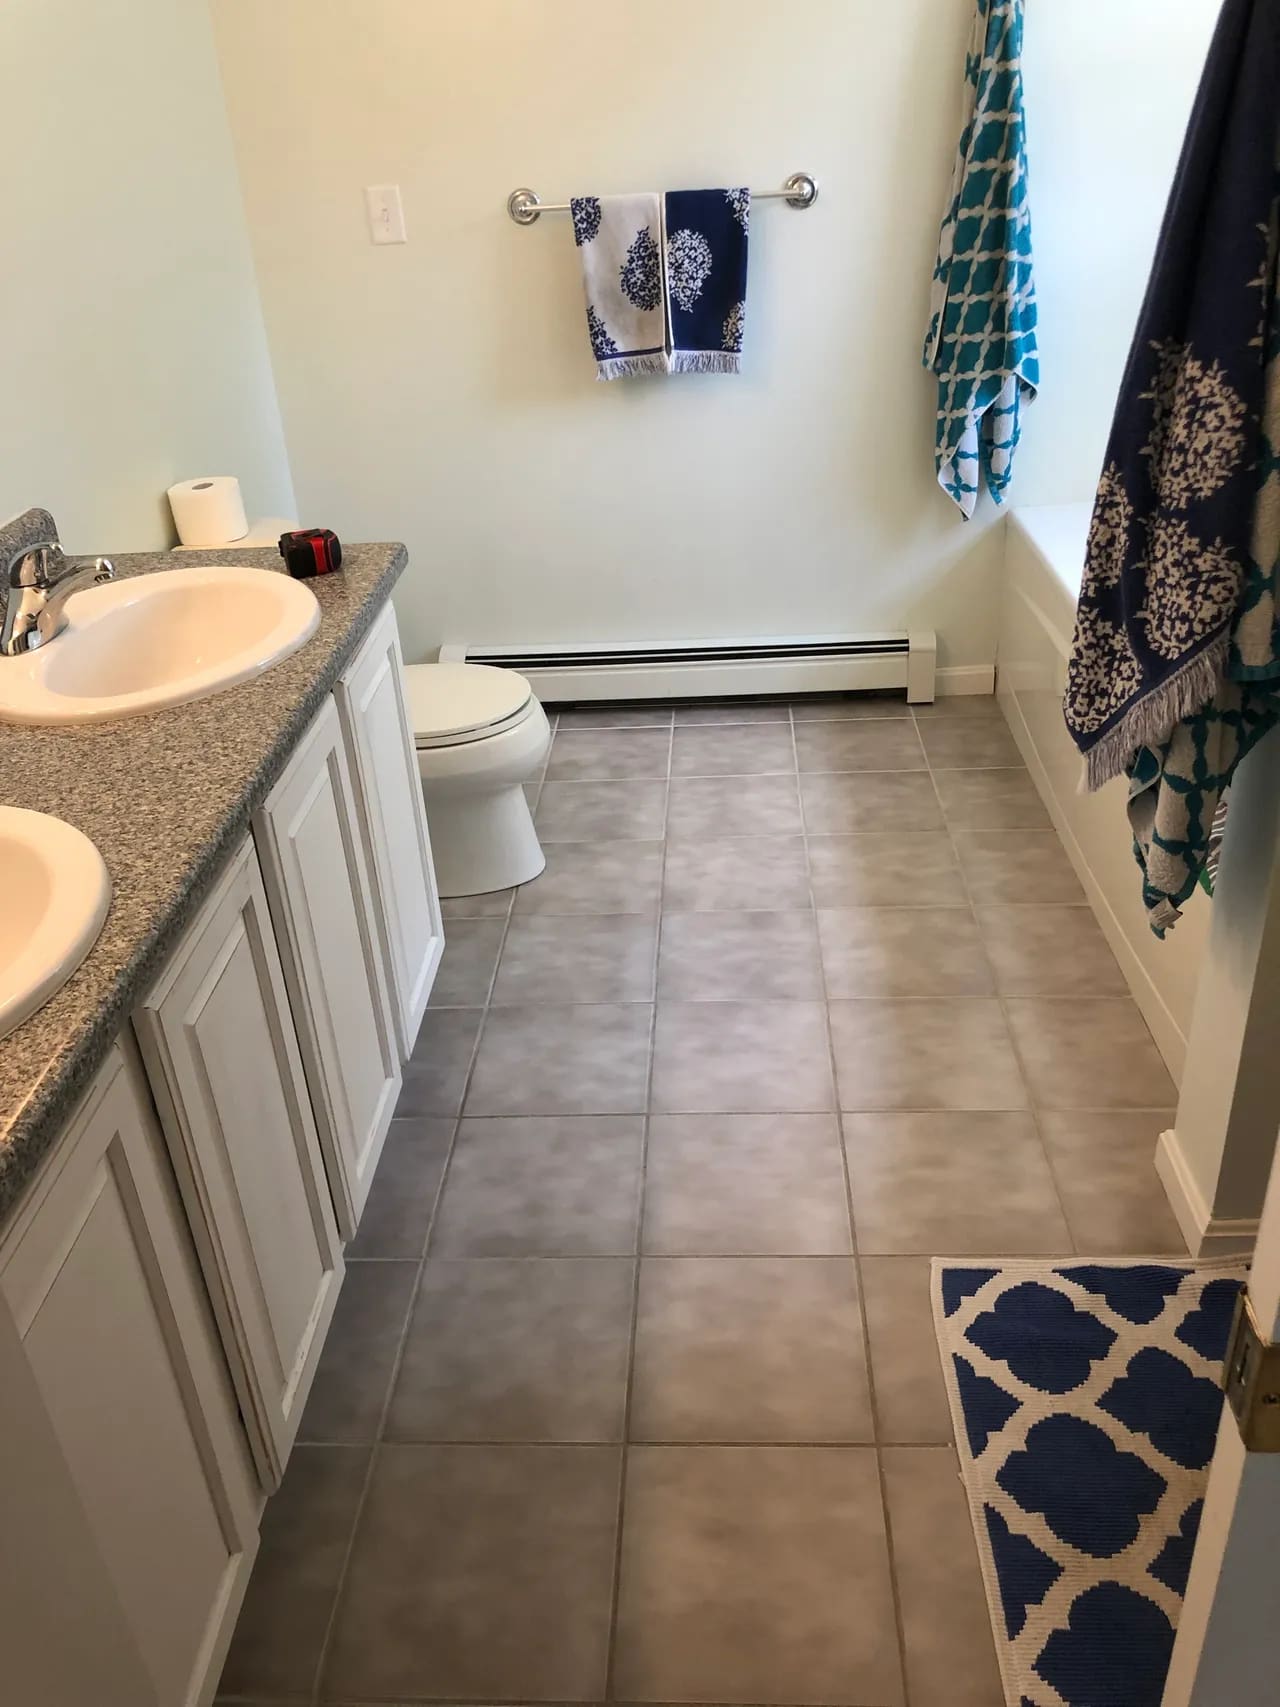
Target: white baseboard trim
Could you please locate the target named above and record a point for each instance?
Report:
(1169, 1037)
(1206, 1235)
(965, 678)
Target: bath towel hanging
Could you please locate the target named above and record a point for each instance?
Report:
(665, 280)
(619, 239)
(981, 342)
(706, 277)
(1175, 666)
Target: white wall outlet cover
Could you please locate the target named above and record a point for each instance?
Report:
(386, 214)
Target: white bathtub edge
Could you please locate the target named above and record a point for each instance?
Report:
(1169, 1037)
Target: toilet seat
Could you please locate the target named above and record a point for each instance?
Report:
(452, 705)
(480, 735)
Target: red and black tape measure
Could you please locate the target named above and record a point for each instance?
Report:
(311, 551)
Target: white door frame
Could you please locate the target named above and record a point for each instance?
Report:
(1226, 1652)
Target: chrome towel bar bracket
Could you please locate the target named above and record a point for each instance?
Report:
(799, 190)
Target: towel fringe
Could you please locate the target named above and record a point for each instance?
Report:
(706, 361)
(628, 367)
(1151, 721)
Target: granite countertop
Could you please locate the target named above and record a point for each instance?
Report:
(166, 798)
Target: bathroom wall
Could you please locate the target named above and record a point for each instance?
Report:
(1109, 89)
(133, 352)
(443, 391)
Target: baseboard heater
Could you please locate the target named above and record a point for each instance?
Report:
(719, 669)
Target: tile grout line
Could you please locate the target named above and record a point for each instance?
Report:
(752, 1255)
(686, 1443)
(456, 1700)
(603, 1113)
(1032, 1105)
(854, 1254)
(394, 1373)
(777, 1001)
(611, 1644)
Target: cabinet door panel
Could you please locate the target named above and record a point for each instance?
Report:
(223, 1054)
(103, 1286)
(309, 841)
(393, 821)
(49, 1561)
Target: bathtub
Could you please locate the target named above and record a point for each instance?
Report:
(1044, 554)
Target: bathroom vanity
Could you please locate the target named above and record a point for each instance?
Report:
(188, 1133)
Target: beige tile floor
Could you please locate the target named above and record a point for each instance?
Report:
(632, 1394)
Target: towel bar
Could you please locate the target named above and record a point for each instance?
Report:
(800, 190)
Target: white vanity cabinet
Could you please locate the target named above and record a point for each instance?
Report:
(144, 1469)
(313, 857)
(222, 1055)
(393, 823)
(168, 1282)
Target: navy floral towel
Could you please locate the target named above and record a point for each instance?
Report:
(620, 241)
(706, 273)
(1175, 667)
(664, 294)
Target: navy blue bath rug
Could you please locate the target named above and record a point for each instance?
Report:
(1086, 1404)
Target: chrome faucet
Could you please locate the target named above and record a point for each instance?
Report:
(37, 582)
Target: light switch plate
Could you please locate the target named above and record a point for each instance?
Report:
(386, 215)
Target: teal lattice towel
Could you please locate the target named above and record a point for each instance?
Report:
(981, 342)
(620, 241)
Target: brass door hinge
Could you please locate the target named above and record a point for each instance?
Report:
(1251, 1381)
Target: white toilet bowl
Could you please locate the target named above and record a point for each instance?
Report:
(481, 735)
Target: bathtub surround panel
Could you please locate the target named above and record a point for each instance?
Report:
(1044, 556)
(665, 1420)
(1206, 991)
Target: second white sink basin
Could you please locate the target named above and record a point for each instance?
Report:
(57, 893)
(149, 641)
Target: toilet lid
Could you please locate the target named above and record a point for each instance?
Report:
(456, 702)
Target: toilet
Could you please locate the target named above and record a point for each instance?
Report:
(481, 734)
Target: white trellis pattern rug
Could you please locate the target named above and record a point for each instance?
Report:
(1086, 1403)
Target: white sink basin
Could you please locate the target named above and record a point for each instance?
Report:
(154, 640)
(57, 893)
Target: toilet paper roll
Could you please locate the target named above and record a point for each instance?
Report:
(208, 511)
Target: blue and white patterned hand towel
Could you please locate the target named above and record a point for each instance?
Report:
(982, 335)
(706, 275)
(620, 241)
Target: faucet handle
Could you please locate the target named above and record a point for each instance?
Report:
(30, 565)
(41, 566)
